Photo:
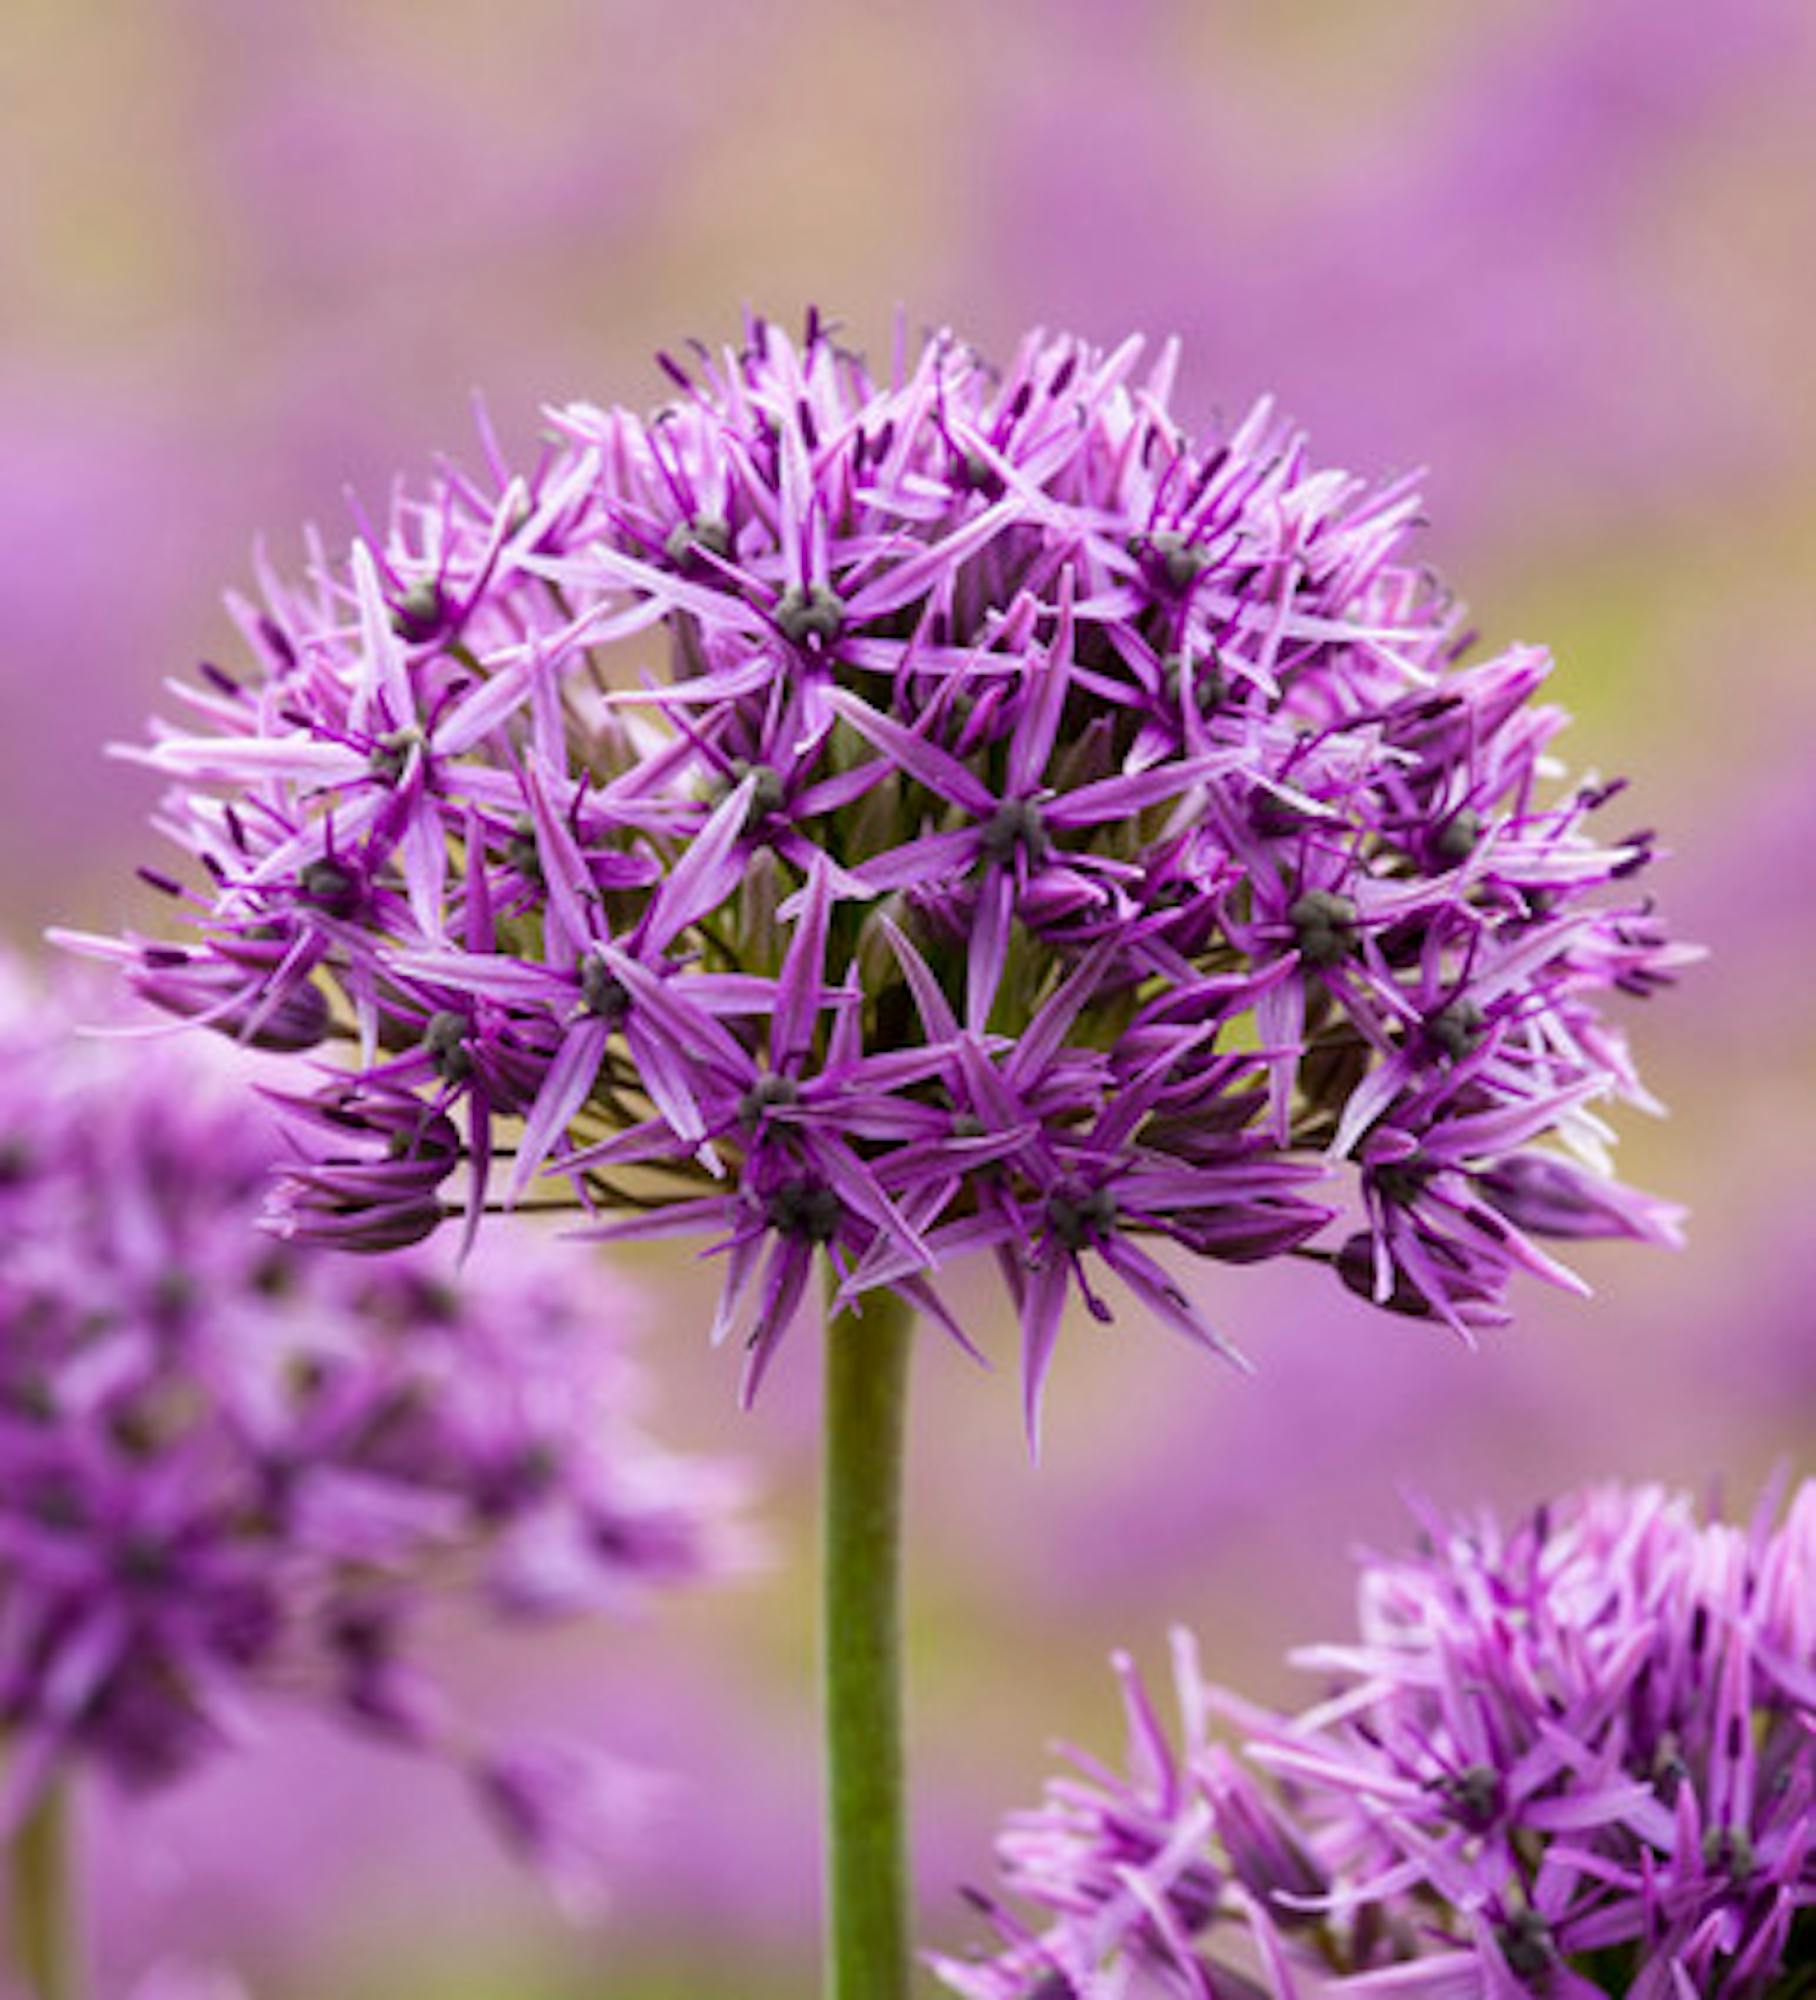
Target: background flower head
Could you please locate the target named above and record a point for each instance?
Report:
(1570, 1758)
(235, 1470)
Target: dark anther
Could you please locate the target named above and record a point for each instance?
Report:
(974, 476)
(1208, 684)
(422, 1142)
(769, 794)
(1456, 1029)
(1399, 1182)
(1178, 560)
(276, 639)
(1273, 817)
(1526, 1944)
(1015, 825)
(535, 1466)
(173, 1293)
(330, 887)
(816, 612)
(807, 1209)
(1730, 1848)
(15, 1162)
(705, 533)
(58, 1504)
(1475, 1797)
(1324, 925)
(360, 1633)
(309, 1375)
(601, 993)
(134, 1428)
(522, 851)
(1455, 840)
(1640, 857)
(390, 754)
(274, 1274)
(1076, 1219)
(31, 1399)
(445, 1038)
(1669, 1769)
(434, 1301)
(418, 614)
(141, 1558)
(766, 1094)
(516, 1481)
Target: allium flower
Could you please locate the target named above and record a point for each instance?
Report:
(877, 819)
(232, 1468)
(1574, 1759)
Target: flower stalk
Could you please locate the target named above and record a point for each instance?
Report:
(43, 1920)
(867, 1897)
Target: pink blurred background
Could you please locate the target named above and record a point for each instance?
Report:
(1564, 254)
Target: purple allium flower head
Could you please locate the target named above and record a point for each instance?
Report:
(1574, 1759)
(232, 1468)
(876, 818)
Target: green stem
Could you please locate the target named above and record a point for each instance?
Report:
(45, 1948)
(867, 1904)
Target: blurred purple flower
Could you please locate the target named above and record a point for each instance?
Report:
(231, 1469)
(1513, 191)
(569, 1812)
(1054, 831)
(1574, 1759)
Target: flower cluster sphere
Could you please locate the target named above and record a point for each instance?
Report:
(885, 819)
(1574, 1759)
(232, 1469)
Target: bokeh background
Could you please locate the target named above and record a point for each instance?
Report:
(1563, 254)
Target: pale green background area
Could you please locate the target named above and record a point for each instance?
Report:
(251, 253)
